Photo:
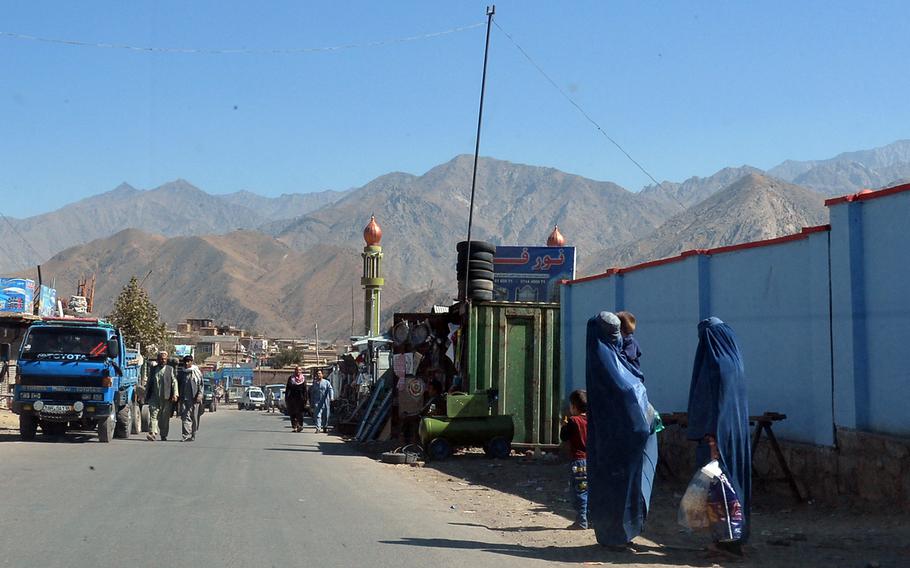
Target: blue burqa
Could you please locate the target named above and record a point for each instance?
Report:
(622, 450)
(718, 407)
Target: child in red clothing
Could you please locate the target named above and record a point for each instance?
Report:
(575, 432)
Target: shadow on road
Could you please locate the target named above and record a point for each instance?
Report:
(640, 554)
(69, 438)
(321, 447)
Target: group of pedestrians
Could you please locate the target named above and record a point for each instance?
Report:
(318, 396)
(611, 429)
(168, 388)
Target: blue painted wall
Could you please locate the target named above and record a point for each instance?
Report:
(823, 322)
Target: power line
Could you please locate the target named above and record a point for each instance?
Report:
(238, 51)
(579, 108)
(18, 234)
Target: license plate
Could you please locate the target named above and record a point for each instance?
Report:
(56, 408)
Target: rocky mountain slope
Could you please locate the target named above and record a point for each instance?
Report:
(245, 278)
(755, 207)
(173, 209)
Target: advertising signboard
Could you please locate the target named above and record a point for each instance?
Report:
(531, 274)
(236, 376)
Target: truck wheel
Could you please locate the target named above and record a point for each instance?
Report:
(122, 426)
(135, 419)
(439, 449)
(106, 429)
(239, 406)
(498, 447)
(28, 427)
(145, 417)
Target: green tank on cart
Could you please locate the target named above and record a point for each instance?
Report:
(468, 423)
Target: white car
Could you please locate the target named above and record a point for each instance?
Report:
(253, 399)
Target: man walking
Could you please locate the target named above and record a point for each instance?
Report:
(161, 394)
(321, 396)
(191, 393)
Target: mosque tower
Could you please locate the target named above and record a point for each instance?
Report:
(372, 280)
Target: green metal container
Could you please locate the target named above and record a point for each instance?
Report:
(467, 405)
(465, 431)
(514, 347)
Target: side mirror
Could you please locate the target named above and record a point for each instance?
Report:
(113, 348)
(4, 352)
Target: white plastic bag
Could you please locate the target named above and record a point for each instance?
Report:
(693, 509)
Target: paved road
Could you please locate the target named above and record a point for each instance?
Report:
(248, 492)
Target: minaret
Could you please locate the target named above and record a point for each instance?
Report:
(372, 280)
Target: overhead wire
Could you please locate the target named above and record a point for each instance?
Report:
(21, 236)
(236, 51)
(581, 110)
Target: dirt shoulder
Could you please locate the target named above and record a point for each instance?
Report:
(527, 502)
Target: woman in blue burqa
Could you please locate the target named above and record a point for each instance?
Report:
(719, 414)
(622, 446)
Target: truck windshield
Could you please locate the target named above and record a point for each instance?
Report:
(65, 344)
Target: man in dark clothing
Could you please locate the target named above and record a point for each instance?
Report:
(295, 398)
(575, 432)
(189, 379)
(161, 394)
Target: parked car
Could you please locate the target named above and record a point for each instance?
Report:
(253, 399)
(209, 401)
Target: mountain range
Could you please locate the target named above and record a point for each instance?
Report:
(281, 264)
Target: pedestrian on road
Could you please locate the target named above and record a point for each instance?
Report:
(719, 416)
(191, 392)
(575, 432)
(270, 401)
(295, 398)
(622, 443)
(161, 394)
(321, 396)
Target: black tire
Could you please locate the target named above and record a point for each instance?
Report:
(28, 427)
(393, 457)
(475, 265)
(439, 449)
(480, 275)
(482, 295)
(482, 256)
(480, 285)
(479, 246)
(135, 419)
(146, 418)
(106, 429)
(497, 448)
(239, 406)
(122, 424)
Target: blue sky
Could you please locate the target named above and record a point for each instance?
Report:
(686, 87)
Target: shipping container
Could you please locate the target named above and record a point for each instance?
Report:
(514, 347)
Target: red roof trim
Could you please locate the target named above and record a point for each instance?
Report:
(866, 195)
(803, 234)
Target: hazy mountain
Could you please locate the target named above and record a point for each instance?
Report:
(244, 278)
(423, 217)
(849, 172)
(696, 189)
(173, 209)
(753, 208)
(286, 206)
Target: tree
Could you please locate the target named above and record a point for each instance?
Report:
(137, 317)
(287, 358)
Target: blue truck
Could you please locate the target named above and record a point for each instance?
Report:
(75, 374)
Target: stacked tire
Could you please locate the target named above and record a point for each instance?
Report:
(476, 270)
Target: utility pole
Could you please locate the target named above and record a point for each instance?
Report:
(317, 343)
(491, 10)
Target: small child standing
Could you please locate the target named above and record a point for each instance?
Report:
(575, 432)
(630, 348)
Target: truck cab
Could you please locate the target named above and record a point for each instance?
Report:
(74, 374)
